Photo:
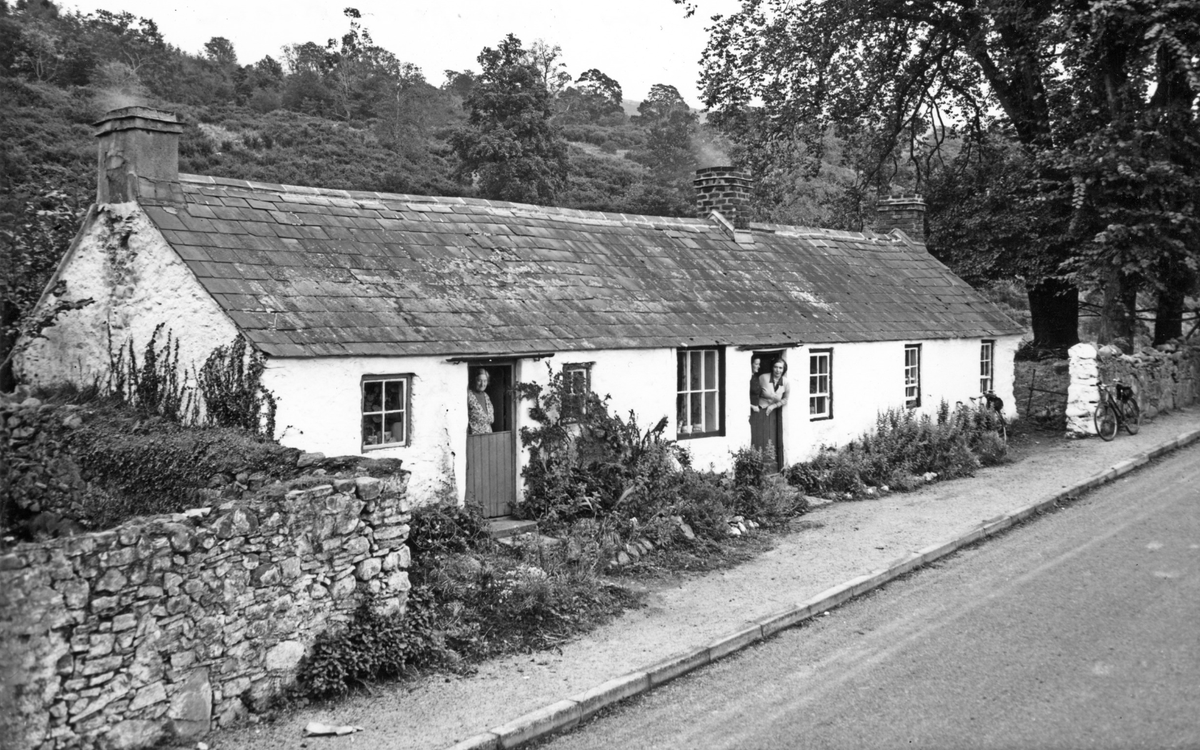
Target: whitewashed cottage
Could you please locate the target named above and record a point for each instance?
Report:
(372, 310)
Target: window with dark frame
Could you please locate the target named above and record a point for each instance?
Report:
(912, 375)
(820, 384)
(385, 410)
(987, 356)
(700, 392)
(577, 384)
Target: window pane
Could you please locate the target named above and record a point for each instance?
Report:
(681, 420)
(393, 395)
(696, 365)
(710, 412)
(372, 429)
(681, 384)
(816, 405)
(710, 370)
(696, 415)
(393, 427)
(372, 396)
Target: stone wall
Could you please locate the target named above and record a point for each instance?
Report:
(172, 625)
(1162, 378)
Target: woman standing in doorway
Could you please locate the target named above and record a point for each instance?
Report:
(480, 413)
(765, 430)
(774, 388)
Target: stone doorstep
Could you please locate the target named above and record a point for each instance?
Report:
(506, 526)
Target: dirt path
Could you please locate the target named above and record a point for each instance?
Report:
(845, 540)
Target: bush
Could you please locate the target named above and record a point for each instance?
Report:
(150, 466)
(902, 449)
(491, 599)
(371, 647)
(440, 529)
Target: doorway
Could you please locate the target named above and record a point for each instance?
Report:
(492, 456)
(766, 430)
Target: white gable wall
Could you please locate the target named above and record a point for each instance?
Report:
(123, 262)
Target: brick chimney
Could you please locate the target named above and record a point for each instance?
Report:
(725, 190)
(904, 212)
(138, 155)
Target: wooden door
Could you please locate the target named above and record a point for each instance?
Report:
(492, 457)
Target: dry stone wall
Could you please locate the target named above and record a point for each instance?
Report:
(172, 625)
(1163, 378)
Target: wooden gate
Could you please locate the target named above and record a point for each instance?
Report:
(491, 472)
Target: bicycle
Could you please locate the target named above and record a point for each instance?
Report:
(1117, 406)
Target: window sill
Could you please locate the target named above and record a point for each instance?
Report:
(825, 418)
(695, 435)
(383, 446)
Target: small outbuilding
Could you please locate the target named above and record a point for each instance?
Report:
(377, 312)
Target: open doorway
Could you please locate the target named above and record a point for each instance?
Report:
(766, 429)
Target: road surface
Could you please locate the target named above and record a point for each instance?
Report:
(1078, 630)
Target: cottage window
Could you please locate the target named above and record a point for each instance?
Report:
(385, 409)
(700, 393)
(912, 375)
(577, 384)
(820, 384)
(987, 355)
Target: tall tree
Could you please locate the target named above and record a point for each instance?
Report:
(593, 98)
(891, 72)
(508, 146)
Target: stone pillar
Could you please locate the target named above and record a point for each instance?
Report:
(1082, 393)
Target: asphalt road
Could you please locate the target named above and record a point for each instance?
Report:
(1080, 629)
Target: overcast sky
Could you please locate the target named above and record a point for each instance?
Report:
(637, 42)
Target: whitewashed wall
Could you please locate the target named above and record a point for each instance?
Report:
(869, 378)
(319, 407)
(123, 262)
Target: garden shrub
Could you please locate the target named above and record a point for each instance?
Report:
(902, 449)
(150, 466)
(372, 646)
(491, 598)
(637, 482)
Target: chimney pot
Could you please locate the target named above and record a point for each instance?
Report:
(138, 155)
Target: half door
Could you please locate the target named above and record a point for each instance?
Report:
(492, 456)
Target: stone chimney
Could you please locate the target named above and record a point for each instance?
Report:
(904, 212)
(138, 155)
(725, 190)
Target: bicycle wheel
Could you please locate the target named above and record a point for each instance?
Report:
(1106, 420)
(1133, 417)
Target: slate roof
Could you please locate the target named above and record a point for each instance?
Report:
(306, 272)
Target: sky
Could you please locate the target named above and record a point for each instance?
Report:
(637, 42)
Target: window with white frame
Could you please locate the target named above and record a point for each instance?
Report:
(820, 384)
(987, 357)
(912, 375)
(577, 384)
(700, 399)
(385, 409)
